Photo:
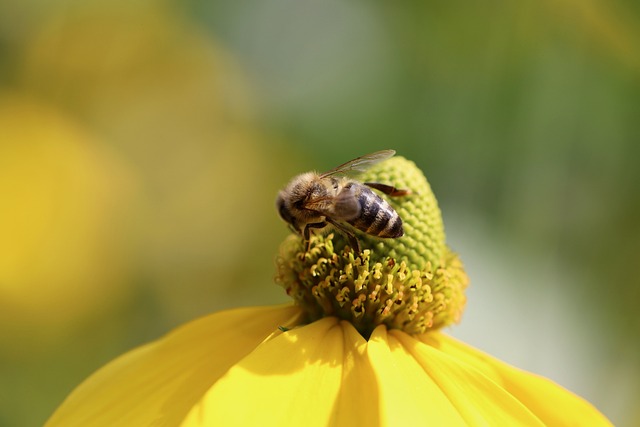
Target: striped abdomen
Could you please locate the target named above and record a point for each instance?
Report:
(377, 217)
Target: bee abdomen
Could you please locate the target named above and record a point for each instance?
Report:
(377, 217)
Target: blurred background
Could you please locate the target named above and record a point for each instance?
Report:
(142, 144)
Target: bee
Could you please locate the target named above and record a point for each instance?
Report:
(315, 201)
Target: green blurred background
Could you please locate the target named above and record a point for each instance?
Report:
(142, 144)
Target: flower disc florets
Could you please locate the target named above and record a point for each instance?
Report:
(413, 283)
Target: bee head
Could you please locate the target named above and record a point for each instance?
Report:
(283, 210)
(292, 201)
(290, 211)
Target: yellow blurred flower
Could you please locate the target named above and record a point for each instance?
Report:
(62, 194)
(175, 104)
(361, 347)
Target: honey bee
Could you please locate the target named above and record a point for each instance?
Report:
(315, 201)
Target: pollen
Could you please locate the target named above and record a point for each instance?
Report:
(414, 283)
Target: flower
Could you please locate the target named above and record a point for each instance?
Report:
(62, 192)
(361, 346)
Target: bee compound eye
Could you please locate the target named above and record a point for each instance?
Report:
(282, 210)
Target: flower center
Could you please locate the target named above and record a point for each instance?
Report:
(414, 283)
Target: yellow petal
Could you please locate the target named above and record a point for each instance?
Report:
(478, 399)
(160, 382)
(358, 401)
(292, 379)
(408, 396)
(551, 403)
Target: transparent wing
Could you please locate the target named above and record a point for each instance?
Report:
(360, 164)
(322, 205)
(342, 207)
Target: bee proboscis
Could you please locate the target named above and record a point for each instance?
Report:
(316, 200)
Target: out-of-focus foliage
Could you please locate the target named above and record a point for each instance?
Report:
(142, 144)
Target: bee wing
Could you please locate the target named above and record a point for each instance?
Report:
(343, 207)
(346, 205)
(360, 164)
(322, 205)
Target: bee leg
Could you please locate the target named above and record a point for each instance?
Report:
(389, 190)
(306, 233)
(353, 241)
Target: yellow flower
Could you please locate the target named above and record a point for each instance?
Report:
(61, 193)
(361, 347)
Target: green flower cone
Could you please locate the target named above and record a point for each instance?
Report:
(413, 283)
